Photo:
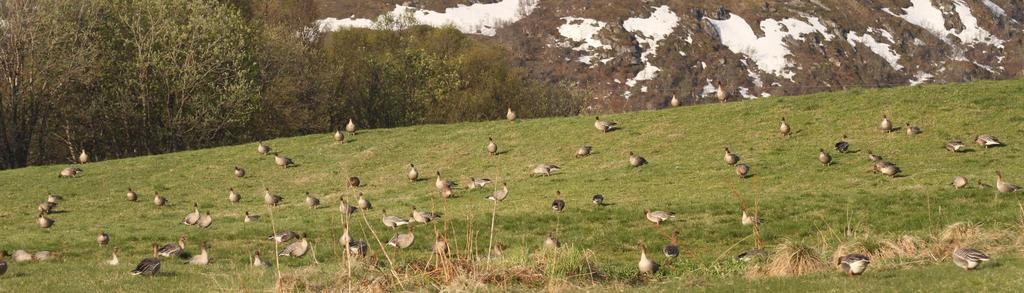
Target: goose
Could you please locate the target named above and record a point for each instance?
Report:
(193, 217)
(890, 170)
(69, 172)
(234, 196)
(53, 198)
(1001, 184)
(297, 248)
(886, 124)
(731, 158)
(968, 258)
(353, 181)
(283, 236)
(784, 128)
(558, 205)
(311, 201)
(720, 93)
(646, 265)
(131, 195)
(159, 200)
(475, 183)
(551, 242)
(203, 258)
(987, 140)
(22, 256)
(239, 172)
(657, 217)
(402, 240)
(345, 239)
(113, 258)
(874, 157)
(749, 219)
(440, 245)
(672, 249)
(102, 238)
(605, 126)
(955, 146)
(598, 199)
(174, 249)
(447, 192)
(345, 208)
(413, 175)
(363, 203)
(43, 221)
(674, 102)
(284, 162)
(423, 217)
(262, 149)
(742, 170)
(824, 157)
(83, 158)
(205, 221)
(842, 146)
(392, 221)
(544, 170)
(510, 115)
(959, 182)
(271, 199)
(256, 260)
(338, 136)
(148, 266)
(358, 247)
(3, 262)
(912, 130)
(440, 182)
(42, 255)
(46, 207)
(583, 151)
(497, 250)
(499, 195)
(350, 127)
(854, 264)
(492, 148)
(636, 160)
(249, 218)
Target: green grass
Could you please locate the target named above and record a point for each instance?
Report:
(800, 199)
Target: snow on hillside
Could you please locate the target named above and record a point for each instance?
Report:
(881, 49)
(479, 18)
(768, 52)
(649, 31)
(925, 15)
(583, 31)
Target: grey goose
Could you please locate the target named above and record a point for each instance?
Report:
(148, 266)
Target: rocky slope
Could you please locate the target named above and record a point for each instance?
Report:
(637, 54)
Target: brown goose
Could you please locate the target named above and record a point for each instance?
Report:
(271, 199)
(102, 238)
(730, 157)
(636, 160)
(249, 218)
(674, 102)
(205, 220)
(955, 146)
(345, 208)
(173, 249)
(672, 249)
(501, 194)
(234, 196)
(413, 175)
(440, 245)
(402, 240)
(854, 264)
(1004, 186)
(69, 172)
(657, 217)
(392, 221)
(544, 170)
(598, 199)
(583, 151)
(842, 146)
(492, 148)
(262, 149)
(889, 169)
(297, 248)
(873, 157)
(350, 127)
(720, 93)
(358, 248)
(311, 201)
(475, 183)
(363, 203)
(113, 258)
(886, 124)
(968, 258)
(193, 217)
(239, 172)
(646, 265)
(3, 262)
(353, 182)
(784, 128)
(283, 161)
(283, 236)
(551, 242)
(339, 137)
(203, 258)
(742, 170)
(749, 219)
(605, 126)
(912, 130)
(256, 260)
(987, 141)
(149, 266)
(558, 205)
(824, 157)
(83, 158)
(159, 200)
(423, 217)
(43, 221)
(510, 115)
(959, 182)
(131, 195)
(441, 182)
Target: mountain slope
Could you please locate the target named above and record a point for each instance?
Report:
(637, 54)
(801, 200)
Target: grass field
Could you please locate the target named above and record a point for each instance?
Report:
(801, 200)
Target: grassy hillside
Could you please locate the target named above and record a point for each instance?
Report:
(801, 200)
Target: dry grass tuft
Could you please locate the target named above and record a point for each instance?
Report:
(791, 259)
(960, 232)
(903, 247)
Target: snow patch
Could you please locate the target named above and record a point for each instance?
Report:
(921, 77)
(479, 18)
(649, 31)
(584, 31)
(769, 51)
(925, 15)
(745, 92)
(996, 10)
(709, 89)
(881, 49)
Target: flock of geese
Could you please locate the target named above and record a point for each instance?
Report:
(297, 243)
